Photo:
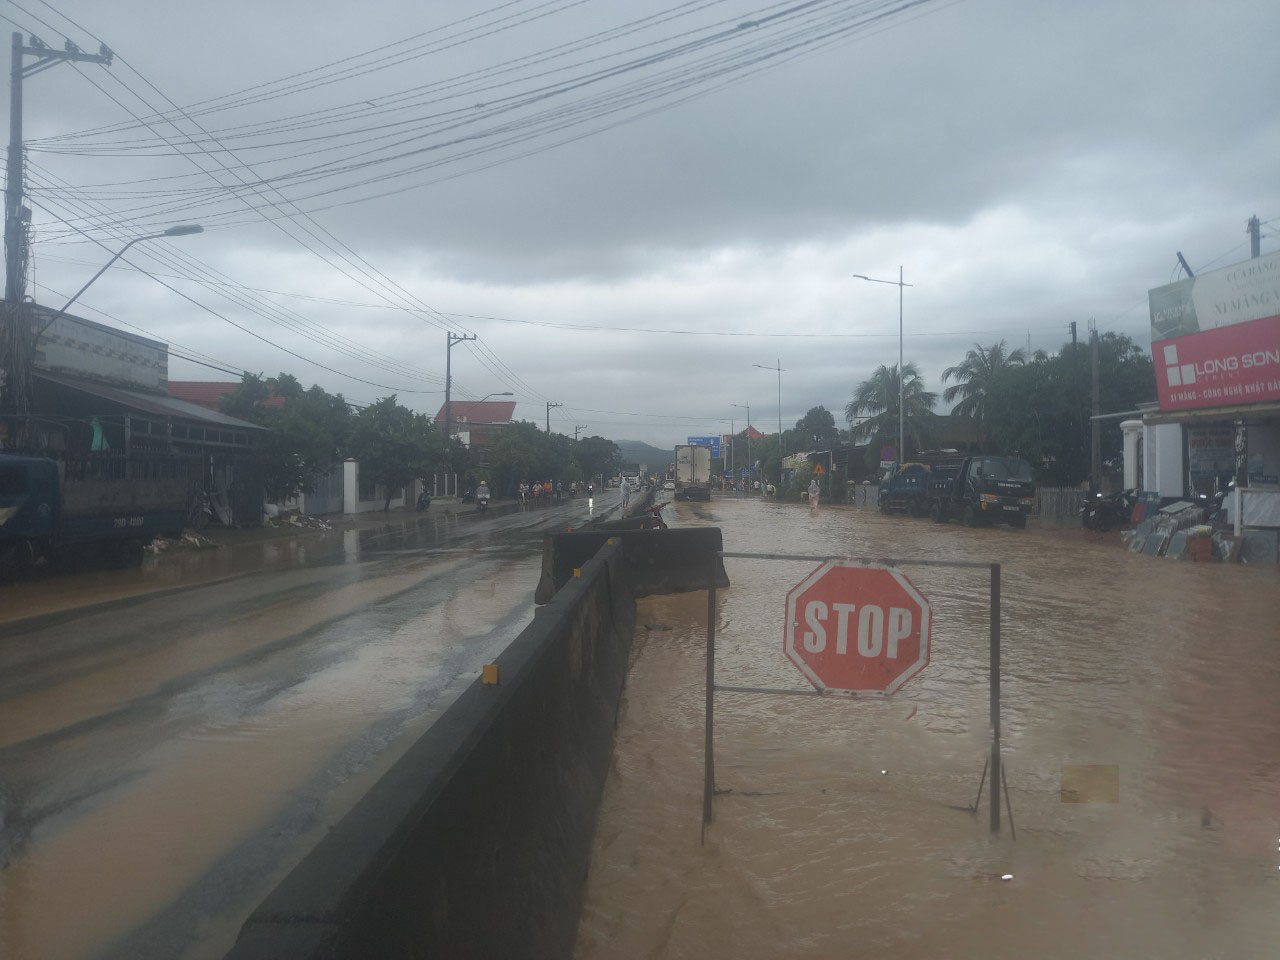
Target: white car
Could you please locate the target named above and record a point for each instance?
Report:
(669, 485)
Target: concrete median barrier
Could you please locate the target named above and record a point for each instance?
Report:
(654, 561)
(476, 843)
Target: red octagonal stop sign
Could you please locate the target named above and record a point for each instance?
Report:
(857, 630)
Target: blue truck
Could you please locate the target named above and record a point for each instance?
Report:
(981, 490)
(904, 488)
(109, 508)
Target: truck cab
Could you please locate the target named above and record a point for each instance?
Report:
(982, 490)
(28, 509)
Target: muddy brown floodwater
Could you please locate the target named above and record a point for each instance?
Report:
(840, 828)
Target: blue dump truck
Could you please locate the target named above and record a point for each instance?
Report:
(109, 508)
(981, 490)
(904, 488)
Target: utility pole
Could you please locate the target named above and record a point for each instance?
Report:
(17, 347)
(1075, 384)
(549, 406)
(1095, 459)
(1254, 229)
(780, 371)
(451, 338)
(576, 428)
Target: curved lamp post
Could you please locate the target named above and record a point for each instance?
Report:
(182, 230)
(902, 447)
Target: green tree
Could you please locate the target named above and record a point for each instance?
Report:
(975, 376)
(1039, 411)
(876, 399)
(307, 433)
(597, 457)
(816, 430)
(394, 445)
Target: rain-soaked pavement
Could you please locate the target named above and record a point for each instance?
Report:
(841, 829)
(173, 740)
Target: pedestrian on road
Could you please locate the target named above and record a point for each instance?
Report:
(626, 493)
(814, 490)
(559, 490)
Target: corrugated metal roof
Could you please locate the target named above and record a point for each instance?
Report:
(209, 393)
(153, 403)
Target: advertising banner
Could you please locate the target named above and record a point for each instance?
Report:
(1215, 338)
(1211, 451)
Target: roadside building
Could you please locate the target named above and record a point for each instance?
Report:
(478, 423)
(101, 402)
(1215, 340)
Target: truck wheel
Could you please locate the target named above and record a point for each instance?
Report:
(884, 508)
(938, 512)
(1020, 521)
(17, 561)
(970, 515)
(128, 553)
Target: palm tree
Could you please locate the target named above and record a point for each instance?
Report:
(876, 400)
(975, 377)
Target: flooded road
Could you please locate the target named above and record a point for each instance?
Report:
(174, 742)
(840, 826)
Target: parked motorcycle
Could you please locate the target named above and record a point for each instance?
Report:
(424, 501)
(655, 516)
(1106, 511)
(468, 496)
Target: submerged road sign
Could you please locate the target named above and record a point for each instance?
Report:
(856, 630)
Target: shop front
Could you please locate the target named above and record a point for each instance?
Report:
(1215, 339)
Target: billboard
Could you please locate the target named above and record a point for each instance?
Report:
(712, 442)
(1215, 338)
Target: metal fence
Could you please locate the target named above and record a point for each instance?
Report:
(1055, 506)
(1058, 506)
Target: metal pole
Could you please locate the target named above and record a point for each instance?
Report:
(13, 232)
(995, 699)
(709, 761)
(448, 372)
(902, 413)
(779, 362)
(750, 463)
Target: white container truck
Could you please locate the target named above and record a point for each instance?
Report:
(693, 473)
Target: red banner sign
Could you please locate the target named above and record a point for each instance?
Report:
(1228, 365)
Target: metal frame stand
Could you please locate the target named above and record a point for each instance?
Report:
(993, 762)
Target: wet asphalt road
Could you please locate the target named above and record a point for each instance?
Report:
(165, 757)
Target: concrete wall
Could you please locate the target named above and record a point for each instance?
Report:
(477, 842)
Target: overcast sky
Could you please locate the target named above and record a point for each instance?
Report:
(573, 168)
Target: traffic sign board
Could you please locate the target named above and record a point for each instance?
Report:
(818, 470)
(712, 442)
(857, 630)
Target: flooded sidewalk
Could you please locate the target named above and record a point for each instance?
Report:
(841, 827)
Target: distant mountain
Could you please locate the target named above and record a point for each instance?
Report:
(635, 451)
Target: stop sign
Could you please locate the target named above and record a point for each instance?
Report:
(857, 630)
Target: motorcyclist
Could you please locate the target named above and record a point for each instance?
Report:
(482, 494)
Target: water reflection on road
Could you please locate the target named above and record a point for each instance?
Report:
(838, 833)
(165, 757)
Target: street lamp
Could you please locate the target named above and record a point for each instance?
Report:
(182, 230)
(779, 369)
(506, 393)
(901, 391)
(750, 462)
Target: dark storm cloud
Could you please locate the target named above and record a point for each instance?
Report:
(1028, 164)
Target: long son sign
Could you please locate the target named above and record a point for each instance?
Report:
(1216, 338)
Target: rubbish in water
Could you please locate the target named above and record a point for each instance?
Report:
(1006, 876)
